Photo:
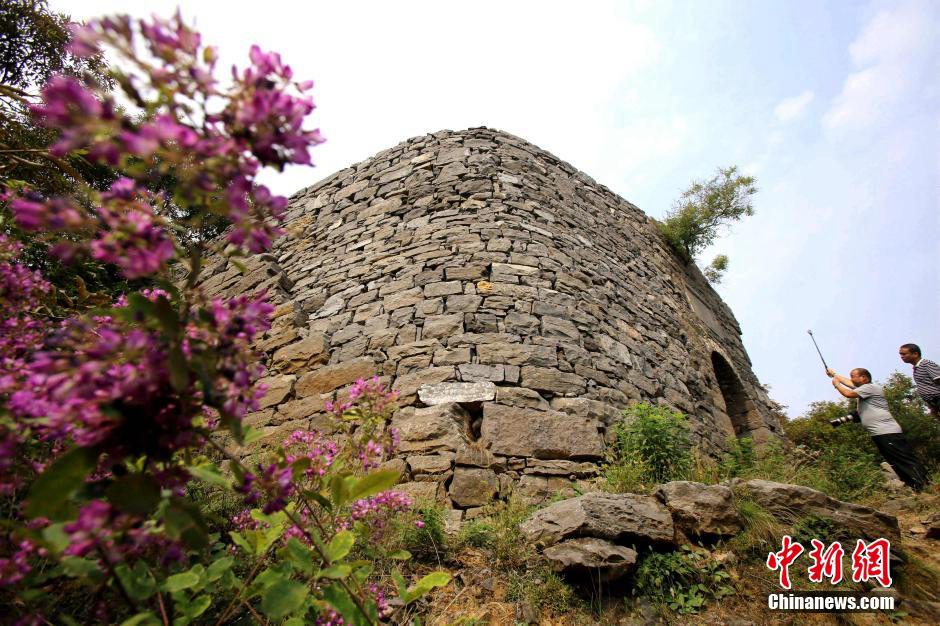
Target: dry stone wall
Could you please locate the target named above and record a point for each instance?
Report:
(517, 306)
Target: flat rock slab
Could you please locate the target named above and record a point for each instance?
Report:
(618, 517)
(932, 525)
(597, 557)
(441, 393)
(788, 502)
(700, 510)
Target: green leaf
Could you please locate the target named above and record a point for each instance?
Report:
(265, 579)
(209, 474)
(373, 483)
(59, 481)
(183, 520)
(361, 570)
(179, 369)
(138, 582)
(337, 597)
(55, 537)
(340, 545)
(339, 489)
(166, 316)
(181, 581)
(337, 571)
(400, 585)
(299, 556)
(219, 567)
(400, 555)
(134, 493)
(77, 567)
(242, 543)
(283, 598)
(142, 619)
(199, 606)
(320, 499)
(267, 538)
(426, 584)
(251, 435)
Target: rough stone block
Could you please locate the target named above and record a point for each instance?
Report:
(442, 326)
(441, 427)
(517, 354)
(521, 397)
(301, 354)
(431, 463)
(302, 408)
(584, 407)
(473, 486)
(455, 356)
(449, 288)
(330, 377)
(279, 387)
(517, 431)
(463, 303)
(473, 372)
(409, 384)
(545, 379)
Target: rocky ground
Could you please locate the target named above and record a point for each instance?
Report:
(485, 593)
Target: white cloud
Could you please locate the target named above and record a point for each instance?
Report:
(792, 108)
(891, 55)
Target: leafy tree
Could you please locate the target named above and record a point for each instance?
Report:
(716, 269)
(696, 219)
(33, 48)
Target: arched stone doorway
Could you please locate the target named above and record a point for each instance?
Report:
(737, 404)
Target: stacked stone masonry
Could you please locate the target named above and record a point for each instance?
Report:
(516, 305)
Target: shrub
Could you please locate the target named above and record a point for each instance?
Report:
(817, 527)
(541, 588)
(683, 580)
(922, 429)
(424, 534)
(110, 416)
(477, 533)
(509, 548)
(761, 532)
(651, 445)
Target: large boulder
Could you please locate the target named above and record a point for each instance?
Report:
(700, 510)
(619, 517)
(599, 557)
(790, 502)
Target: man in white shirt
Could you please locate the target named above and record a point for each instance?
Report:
(885, 432)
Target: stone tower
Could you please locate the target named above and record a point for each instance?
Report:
(517, 305)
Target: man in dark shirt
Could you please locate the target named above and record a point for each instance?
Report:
(926, 376)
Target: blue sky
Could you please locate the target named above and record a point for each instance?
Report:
(833, 106)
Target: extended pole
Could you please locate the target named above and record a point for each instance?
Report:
(817, 349)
